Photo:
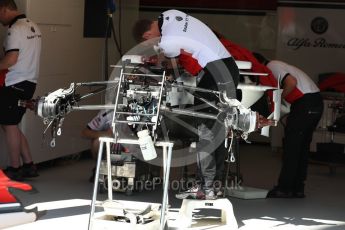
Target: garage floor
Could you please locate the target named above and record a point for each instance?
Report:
(64, 193)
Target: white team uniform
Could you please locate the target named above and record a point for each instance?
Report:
(23, 36)
(102, 121)
(182, 31)
(304, 84)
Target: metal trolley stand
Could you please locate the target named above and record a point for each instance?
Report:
(144, 119)
(167, 154)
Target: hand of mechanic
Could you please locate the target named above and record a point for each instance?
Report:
(262, 121)
(30, 104)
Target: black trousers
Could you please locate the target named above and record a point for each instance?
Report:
(222, 75)
(304, 116)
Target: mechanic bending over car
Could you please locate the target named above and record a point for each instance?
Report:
(183, 34)
(305, 113)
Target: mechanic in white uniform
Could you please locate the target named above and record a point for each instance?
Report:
(99, 126)
(305, 113)
(179, 33)
(20, 64)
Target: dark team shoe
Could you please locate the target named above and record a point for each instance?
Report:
(14, 173)
(29, 170)
(276, 192)
(298, 195)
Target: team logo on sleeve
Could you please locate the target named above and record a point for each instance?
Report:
(178, 18)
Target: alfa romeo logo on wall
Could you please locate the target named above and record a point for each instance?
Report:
(319, 25)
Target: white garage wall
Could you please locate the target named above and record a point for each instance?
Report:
(66, 57)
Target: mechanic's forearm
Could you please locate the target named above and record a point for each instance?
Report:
(289, 84)
(287, 91)
(9, 60)
(4, 64)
